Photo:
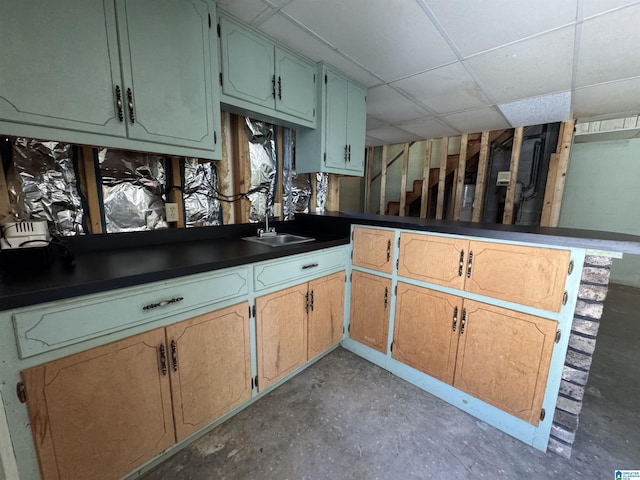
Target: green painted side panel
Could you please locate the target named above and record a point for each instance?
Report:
(601, 193)
(296, 85)
(60, 65)
(247, 64)
(336, 120)
(166, 65)
(356, 127)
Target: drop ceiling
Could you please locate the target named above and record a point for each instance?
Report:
(444, 67)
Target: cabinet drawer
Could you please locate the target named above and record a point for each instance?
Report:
(298, 268)
(55, 325)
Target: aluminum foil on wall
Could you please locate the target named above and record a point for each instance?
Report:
(322, 186)
(262, 153)
(133, 190)
(296, 189)
(200, 194)
(43, 185)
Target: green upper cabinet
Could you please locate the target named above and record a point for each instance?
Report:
(264, 80)
(131, 74)
(337, 146)
(60, 65)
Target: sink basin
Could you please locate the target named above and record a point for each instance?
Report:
(279, 239)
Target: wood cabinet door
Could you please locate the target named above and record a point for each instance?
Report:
(370, 305)
(167, 68)
(60, 65)
(433, 259)
(373, 249)
(335, 121)
(425, 333)
(281, 327)
(296, 85)
(326, 313)
(356, 127)
(504, 357)
(210, 366)
(100, 414)
(247, 62)
(527, 275)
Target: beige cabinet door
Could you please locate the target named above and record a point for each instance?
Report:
(210, 366)
(433, 259)
(503, 358)
(281, 328)
(370, 305)
(527, 275)
(326, 313)
(425, 333)
(373, 249)
(100, 414)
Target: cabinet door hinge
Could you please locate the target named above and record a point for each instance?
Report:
(22, 392)
(314, 78)
(392, 346)
(255, 381)
(252, 384)
(325, 79)
(218, 29)
(395, 291)
(314, 112)
(345, 277)
(542, 415)
(253, 311)
(398, 242)
(209, 21)
(351, 254)
(325, 157)
(352, 235)
(558, 335)
(220, 78)
(351, 277)
(343, 329)
(349, 328)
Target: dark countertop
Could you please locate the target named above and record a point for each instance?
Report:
(107, 262)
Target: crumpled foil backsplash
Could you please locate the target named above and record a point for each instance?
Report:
(262, 152)
(200, 194)
(296, 189)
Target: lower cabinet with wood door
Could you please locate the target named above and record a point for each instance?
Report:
(369, 319)
(495, 354)
(103, 412)
(296, 324)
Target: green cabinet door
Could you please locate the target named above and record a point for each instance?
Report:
(247, 64)
(335, 120)
(295, 84)
(167, 70)
(60, 65)
(356, 127)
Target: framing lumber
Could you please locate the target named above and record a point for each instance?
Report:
(5, 204)
(367, 189)
(243, 173)
(91, 184)
(507, 218)
(383, 180)
(176, 190)
(549, 190)
(426, 173)
(392, 161)
(333, 193)
(444, 154)
(459, 184)
(481, 179)
(225, 170)
(279, 171)
(313, 203)
(561, 174)
(403, 181)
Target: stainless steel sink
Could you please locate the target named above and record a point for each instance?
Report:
(279, 239)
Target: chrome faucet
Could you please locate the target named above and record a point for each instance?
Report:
(267, 231)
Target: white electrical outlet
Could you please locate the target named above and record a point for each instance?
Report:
(277, 209)
(171, 212)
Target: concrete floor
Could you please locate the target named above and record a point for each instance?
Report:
(345, 418)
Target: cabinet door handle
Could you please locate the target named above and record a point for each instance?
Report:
(163, 359)
(461, 265)
(463, 322)
(312, 300)
(306, 302)
(163, 303)
(345, 153)
(273, 86)
(310, 265)
(470, 264)
(174, 355)
(455, 318)
(388, 250)
(280, 88)
(119, 103)
(132, 113)
(349, 153)
(386, 297)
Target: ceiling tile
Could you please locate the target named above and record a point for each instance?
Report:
(428, 127)
(373, 142)
(477, 120)
(526, 69)
(390, 39)
(606, 99)
(246, 10)
(538, 110)
(386, 104)
(373, 122)
(391, 134)
(445, 89)
(595, 7)
(609, 47)
(478, 26)
(287, 32)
